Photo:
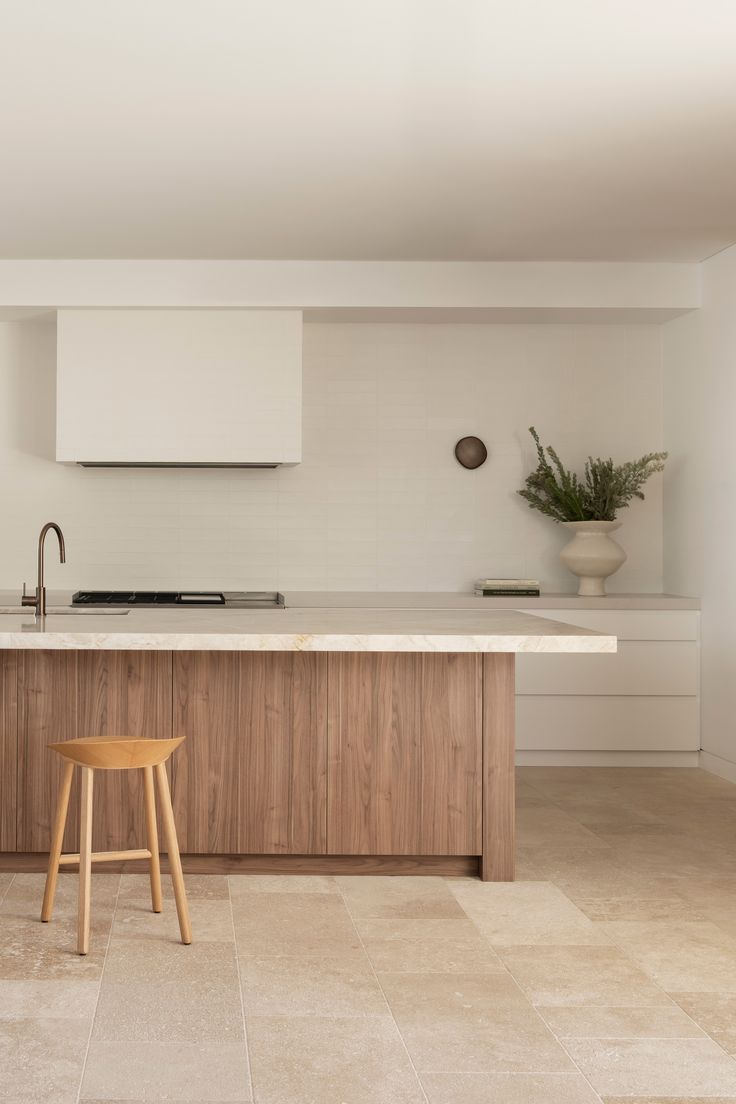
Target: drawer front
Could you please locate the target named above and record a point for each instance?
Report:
(607, 724)
(631, 624)
(639, 667)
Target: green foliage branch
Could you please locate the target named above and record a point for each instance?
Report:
(603, 490)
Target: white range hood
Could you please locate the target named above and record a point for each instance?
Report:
(179, 388)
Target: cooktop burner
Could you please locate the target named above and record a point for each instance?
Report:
(231, 599)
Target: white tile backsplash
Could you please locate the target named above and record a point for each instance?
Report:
(379, 501)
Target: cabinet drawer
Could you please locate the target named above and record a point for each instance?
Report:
(639, 667)
(607, 724)
(631, 624)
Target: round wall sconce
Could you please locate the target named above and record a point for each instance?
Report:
(471, 452)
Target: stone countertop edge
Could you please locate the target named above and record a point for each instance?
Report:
(304, 629)
(463, 600)
(448, 600)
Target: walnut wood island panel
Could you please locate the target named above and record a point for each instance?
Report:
(321, 740)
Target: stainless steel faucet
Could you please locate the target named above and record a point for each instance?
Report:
(39, 599)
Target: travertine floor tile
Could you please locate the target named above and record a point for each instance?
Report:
(527, 796)
(507, 1088)
(669, 1100)
(715, 1013)
(303, 924)
(279, 883)
(41, 1060)
(655, 1067)
(183, 1009)
(289, 986)
(211, 917)
(665, 836)
(319, 1060)
(430, 997)
(5, 880)
(581, 975)
(50, 1000)
(153, 961)
(723, 917)
(708, 890)
(513, 913)
(137, 887)
(682, 956)
(540, 824)
(526, 871)
(25, 895)
(588, 1022)
(456, 1022)
(640, 909)
(669, 854)
(598, 811)
(512, 1040)
(641, 857)
(427, 946)
(460, 930)
(149, 1071)
(30, 950)
(586, 874)
(399, 898)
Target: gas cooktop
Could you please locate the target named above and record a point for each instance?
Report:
(180, 599)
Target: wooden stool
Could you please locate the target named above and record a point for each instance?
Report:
(93, 753)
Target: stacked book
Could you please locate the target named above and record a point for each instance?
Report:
(507, 588)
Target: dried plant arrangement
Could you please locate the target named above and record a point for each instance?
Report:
(603, 489)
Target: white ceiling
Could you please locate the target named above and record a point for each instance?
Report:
(367, 129)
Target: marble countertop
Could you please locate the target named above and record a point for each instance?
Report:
(427, 599)
(414, 599)
(305, 628)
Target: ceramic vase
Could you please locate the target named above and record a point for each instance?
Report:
(592, 555)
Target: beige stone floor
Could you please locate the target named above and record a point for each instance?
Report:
(607, 972)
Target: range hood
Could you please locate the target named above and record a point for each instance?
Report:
(179, 388)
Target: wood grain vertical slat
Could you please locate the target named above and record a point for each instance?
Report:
(64, 694)
(8, 750)
(208, 767)
(284, 762)
(251, 776)
(374, 787)
(128, 694)
(47, 712)
(451, 703)
(263, 783)
(499, 708)
(308, 779)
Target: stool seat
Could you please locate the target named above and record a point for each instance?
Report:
(116, 752)
(91, 753)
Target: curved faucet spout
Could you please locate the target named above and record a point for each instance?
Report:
(42, 541)
(39, 601)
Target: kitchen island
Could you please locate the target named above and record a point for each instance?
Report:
(318, 739)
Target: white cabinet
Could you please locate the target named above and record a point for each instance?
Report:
(645, 698)
(606, 723)
(637, 667)
(179, 387)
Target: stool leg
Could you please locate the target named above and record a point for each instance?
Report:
(172, 846)
(85, 860)
(152, 833)
(57, 837)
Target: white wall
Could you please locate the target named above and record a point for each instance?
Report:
(379, 501)
(700, 491)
